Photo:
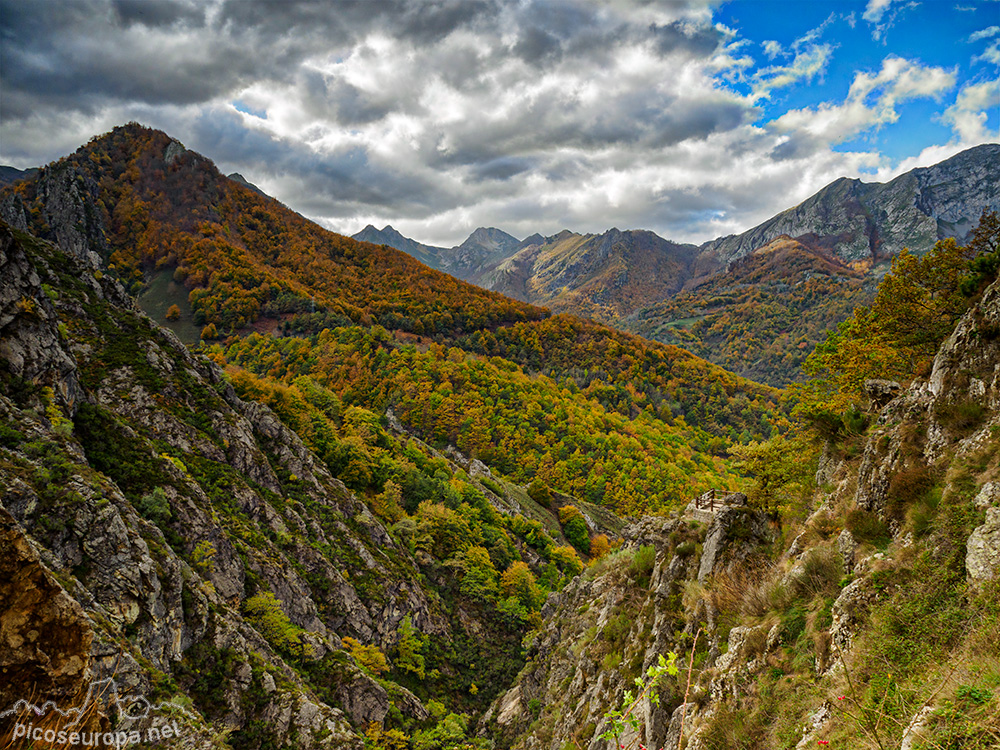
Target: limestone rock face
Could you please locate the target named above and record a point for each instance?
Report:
(124, 577)
(849, 611)
(30, 342)
(614, 619)
(881, 392)
(965, 376)
(45, 636)
(733, 533)
(982, 559)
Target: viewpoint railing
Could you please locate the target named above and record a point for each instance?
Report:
(706, 501)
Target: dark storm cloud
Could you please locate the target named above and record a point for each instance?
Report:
(339, 100)
(698, 41)
(429, 22)
(387, 109)
(83, 54)
(158, 13)
(537, 45)
(503, 168)
(331, 184)
(698, 120)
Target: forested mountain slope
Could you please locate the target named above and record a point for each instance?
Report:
(238, 262)
(852, 602)
(763, 316)
(756, 316)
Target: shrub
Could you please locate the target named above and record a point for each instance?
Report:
(519, 582)
(265, 614)
(567, 560)
(821, 572)
(569, 512)
(907, 486)
(643, 562)
(480, 579)
(685, 549)
(576, 532)
(599, 546)
(867, 528)
(961, 416)
(154, 507)
(617, 628)
(370, 656)
(539, 492)
(409, 649)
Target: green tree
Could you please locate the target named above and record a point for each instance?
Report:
(480, 578)
(265, 613)
(519, 582)
(540, 493)
(567, 560)
(780, 469)
(410, 648)
(155, 507)
(575, 528)
(369, 656)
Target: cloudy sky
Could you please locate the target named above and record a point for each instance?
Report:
(693, 118)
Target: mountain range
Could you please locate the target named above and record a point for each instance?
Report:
(376, 507)
(845, 235)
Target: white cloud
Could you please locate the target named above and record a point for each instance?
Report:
(772, 49)
(875, 10)
(968, 115)
(805, 66)
(984, 33)
(880, 14)
(990, 55)
(871, 101)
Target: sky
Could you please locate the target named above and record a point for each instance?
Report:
(691, 118)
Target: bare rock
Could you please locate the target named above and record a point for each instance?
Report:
(45, 636)
(982, 557)
(734, 533)
(989, 494)
(847, 545)
(881, 392)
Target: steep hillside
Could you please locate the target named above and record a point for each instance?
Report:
(764, 315)
(199, 548)
(605, 277)
(145, 204)
(870, 620)
(212, 257)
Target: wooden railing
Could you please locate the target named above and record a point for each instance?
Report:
(706, 501)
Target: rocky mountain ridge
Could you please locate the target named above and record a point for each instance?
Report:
(867, 223)
(469, 261)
